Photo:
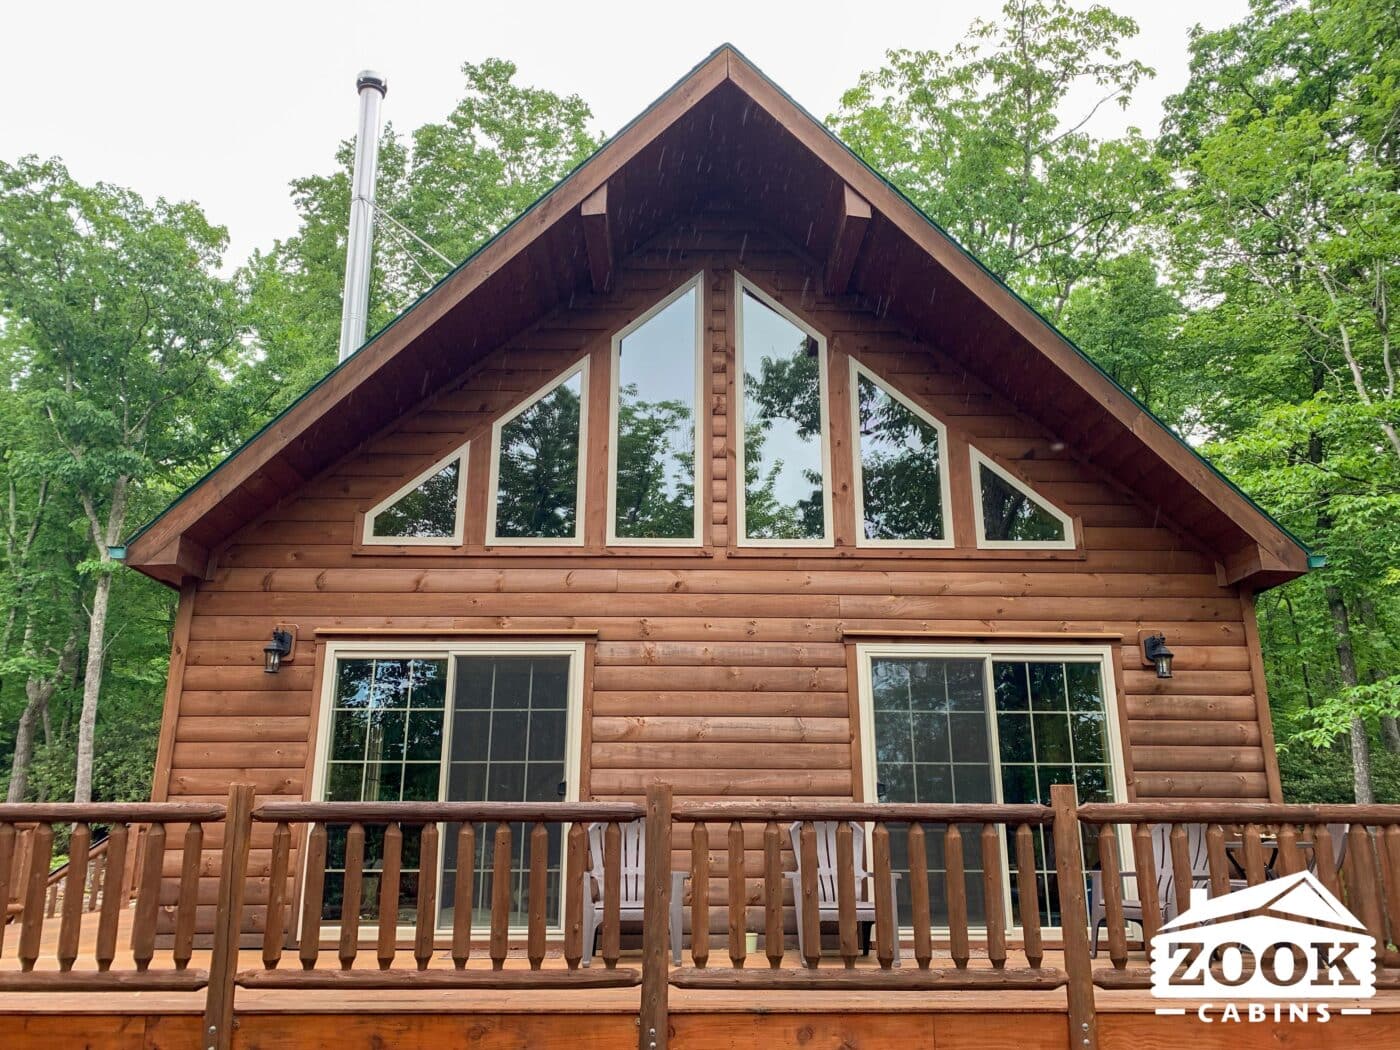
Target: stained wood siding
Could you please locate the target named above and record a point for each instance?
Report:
(722, 671)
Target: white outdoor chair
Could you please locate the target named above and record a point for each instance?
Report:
(1166, 879)
(828, 906)
(632, 897)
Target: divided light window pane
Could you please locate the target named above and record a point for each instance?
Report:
(537, 467)
(900, 467)
(428, 512)
(1010, 513)
(385, 746)
(656, 400)
(784, 486)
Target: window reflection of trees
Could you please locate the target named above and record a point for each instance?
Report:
(1008, 513)
(430, 510)
(538, 467)
(901, 467)
(655, 468)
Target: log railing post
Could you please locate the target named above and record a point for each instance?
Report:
(1074, 919)
(652, 1033)
(217, 1033)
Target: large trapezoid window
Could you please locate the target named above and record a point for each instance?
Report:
(656, 394)
(785, 499)
(429, 509)
(536, 465)
(1010, 515)
(901, 477)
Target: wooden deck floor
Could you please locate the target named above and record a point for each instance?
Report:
(584, 1019)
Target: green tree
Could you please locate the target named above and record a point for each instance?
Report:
(118, 329)
(978, 138)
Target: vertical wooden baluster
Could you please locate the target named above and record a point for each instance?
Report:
(313, 897)
(1144, 860)
(573, 895)
(773, 894)
(846, 894)
(274, 932)
(539, 875)
(699, 895)
(187, 903)
(611, 941)
(737, 921)
(78, 848)
(143, 923)
(426, 902)
(354, 887)
(811, 900)
(7, 863)
(1290, 857)
(1181, 868)
(462, 902)
(1112, 880)
(51, 909)
(113, 897)
(957, 897)
(1028, 896)
(500, 897)
(390, 876)
(99, 875)
(1364, 898)
(1253, 855)
(886, 932)
(993, 896)
(1324, 858)
(32, 917)
(1390, 843)
(1218, 861)
(918, 896)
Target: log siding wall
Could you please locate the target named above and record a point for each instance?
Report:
(727, 672)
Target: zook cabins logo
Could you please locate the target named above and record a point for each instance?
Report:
(1285, 950)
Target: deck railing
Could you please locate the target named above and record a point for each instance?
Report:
(378, 926)
(29, 830)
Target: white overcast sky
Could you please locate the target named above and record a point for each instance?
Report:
(225, 104)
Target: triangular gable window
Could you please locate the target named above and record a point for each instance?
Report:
(902, 493)
(426, 510)
(1010, 515)
(536, 466)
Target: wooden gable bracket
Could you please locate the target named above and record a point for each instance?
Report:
(852, 220)
(597, 237)
(180, 559)
(1250, 560)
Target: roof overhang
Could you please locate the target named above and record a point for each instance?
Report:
(724, 131)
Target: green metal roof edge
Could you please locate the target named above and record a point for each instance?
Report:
(1314, 560)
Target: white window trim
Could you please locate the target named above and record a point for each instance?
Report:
(1102, 655)
(578, 368)
(858, 475)
(368, 538)
(696, 539)
(741, 539)
(573, 735)
(979, 459)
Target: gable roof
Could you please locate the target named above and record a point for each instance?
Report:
(724, 130)
(1300, 896)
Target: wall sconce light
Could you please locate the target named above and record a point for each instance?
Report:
(1156, 653)
(279, 650)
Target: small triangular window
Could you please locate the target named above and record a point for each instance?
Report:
(427, 509)
(1009, 514)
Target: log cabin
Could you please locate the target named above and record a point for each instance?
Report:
(722, 480)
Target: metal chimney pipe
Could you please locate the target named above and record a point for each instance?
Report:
(355, 310)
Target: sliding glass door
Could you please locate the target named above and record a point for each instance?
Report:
(945, 724)
(465, 723)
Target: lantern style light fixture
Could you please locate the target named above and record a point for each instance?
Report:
(277, 650)
(1156, 653)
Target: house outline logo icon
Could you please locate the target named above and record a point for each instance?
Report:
(1286, 940)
